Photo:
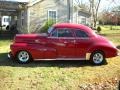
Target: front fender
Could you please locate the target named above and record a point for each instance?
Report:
(37, 51)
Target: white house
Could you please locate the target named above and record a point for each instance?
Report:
(39, 11)
(32, 15)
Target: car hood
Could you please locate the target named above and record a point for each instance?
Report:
(29, 38)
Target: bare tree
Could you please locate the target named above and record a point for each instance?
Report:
(82, 5)
(94, 7)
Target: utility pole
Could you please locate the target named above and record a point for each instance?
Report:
(70, 10)
(0, 21)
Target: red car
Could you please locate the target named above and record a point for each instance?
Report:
(63, 41)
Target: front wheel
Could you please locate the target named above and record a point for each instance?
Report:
(23, 57)
(98, 58)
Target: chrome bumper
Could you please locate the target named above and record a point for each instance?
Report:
(118, 52)
(9, 55)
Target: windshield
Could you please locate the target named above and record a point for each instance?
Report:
(50, 29)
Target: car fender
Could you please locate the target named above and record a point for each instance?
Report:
(108, 50)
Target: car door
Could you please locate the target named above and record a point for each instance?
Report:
(83, 42)
(64, 43)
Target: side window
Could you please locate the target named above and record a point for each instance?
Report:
(54, 33)
(81, 34)
(65, 33)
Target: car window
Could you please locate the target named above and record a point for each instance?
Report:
(54, 33)
(65, 33)
(50, 29)
(80, 33)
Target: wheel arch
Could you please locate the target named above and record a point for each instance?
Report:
(23, 50)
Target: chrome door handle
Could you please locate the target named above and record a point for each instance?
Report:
(73, 41)
(65, 42)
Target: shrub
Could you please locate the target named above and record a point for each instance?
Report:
(98, 29)
(48, 24)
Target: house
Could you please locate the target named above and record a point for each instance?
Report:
(12, 10)
(40, 11)
(30, 16)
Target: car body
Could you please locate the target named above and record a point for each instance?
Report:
(64, 41)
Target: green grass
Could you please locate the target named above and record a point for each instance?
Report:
(58, 75)
(106, 29)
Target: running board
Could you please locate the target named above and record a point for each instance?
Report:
(61, 59)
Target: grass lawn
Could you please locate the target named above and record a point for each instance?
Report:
(59, 75)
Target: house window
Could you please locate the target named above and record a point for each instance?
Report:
(52, 15)
(83, 20)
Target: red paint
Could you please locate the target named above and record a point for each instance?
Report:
(48, 47)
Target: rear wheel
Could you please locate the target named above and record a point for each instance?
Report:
(98, 58)
(23, 57)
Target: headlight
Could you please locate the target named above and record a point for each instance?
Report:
(112, 44)
(118, 52)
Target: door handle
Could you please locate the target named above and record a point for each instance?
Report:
(65, 42)
(73, 41)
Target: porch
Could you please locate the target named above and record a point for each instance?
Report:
(11, 16)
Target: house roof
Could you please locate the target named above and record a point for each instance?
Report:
(82, 11)
(11, 5)
(22, 1)
(85, 12)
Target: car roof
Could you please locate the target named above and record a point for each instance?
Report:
(71, 25)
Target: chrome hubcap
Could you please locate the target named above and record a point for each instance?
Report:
(98, 58)
(23, 56)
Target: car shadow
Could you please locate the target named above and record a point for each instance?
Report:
(4, 61)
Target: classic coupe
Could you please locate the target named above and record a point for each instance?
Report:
(63, 41)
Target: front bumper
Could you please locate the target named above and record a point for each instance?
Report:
(10, 56)
(118, 52)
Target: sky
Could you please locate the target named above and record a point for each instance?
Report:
(19, 0)
(105, 4)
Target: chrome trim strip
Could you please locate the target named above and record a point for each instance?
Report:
(82, 38)
(63, 59)
(62, 37)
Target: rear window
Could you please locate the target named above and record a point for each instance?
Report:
(81, 34)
